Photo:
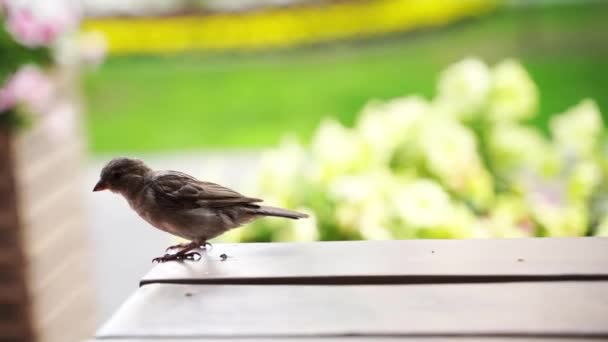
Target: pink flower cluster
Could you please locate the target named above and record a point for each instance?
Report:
(29, 87)
(37, 93)
(39, 23)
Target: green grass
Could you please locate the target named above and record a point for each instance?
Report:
(163, 103)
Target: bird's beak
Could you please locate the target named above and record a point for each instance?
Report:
(100, 186)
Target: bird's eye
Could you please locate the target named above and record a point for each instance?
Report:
(116, 175)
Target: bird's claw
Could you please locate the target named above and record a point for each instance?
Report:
(161, 259)
(176, 257)
(179, 245)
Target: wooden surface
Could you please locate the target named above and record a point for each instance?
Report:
(514, 309)
(428, 261)
(356, 339)
(479, 290)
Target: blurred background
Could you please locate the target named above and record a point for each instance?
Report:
(383, 119)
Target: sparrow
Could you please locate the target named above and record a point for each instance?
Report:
(182, 205)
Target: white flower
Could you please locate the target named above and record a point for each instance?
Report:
(384, 126)
(508, 219)
(450, 150)
(460, 224)
(373, 222)
(368, 219)
(423, 204)
(464, 88)
(514, 95)
(304, 230)
(515, 149)
(583, 180)
(282, 169)
(578, 129)
(548, 203)
(359, 188)
(498, 227)
(571, 220)
(360, 202)
(479, 188)
(337, 150)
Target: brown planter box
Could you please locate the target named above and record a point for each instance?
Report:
(15, 320)
(46, 279)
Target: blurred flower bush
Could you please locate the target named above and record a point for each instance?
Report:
(463, 165)
(40, 49)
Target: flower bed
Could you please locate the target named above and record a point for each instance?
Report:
(280, 27)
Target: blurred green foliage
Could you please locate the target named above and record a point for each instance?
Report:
(15, 55)
(153, 103)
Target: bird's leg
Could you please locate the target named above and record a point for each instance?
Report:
(184, 245)
(179, 245)
(181, 255)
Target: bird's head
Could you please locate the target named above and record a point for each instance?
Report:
(122, 175)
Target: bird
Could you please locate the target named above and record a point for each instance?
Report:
(182, 205)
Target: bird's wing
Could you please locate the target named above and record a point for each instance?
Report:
(181, 191)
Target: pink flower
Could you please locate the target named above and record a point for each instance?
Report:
(39, 24)
(22, 25)
(29, 87)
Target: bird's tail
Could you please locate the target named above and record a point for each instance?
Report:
(278, 212)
